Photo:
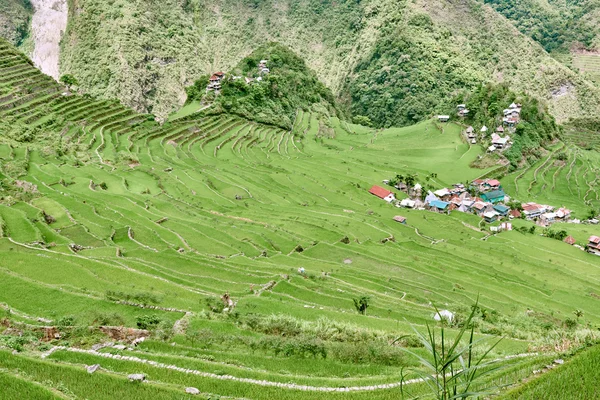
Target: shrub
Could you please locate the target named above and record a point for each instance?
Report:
(147, 321)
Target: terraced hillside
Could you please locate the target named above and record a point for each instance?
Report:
(141, 225)
(589, 65)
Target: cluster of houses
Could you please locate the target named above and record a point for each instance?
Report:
(214, 82)
(490, 202)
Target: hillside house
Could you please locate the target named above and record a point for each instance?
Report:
(408, 203)
(461, 107)
(382, 193)
(491, 149)
(484, 129)
(214, 82)
(533, 210)
(570, 240)
(506, 226)
(491, 184)
(400, 219)
(594, 245)
(494, 196)
(438, 206)
(563, 214)
(443, 118)
(499, 142)
(443, 194)
(514, 213)
(481, 208)
(470, 132)
(500, 129)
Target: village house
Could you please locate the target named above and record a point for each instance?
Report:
(382, 193)
(491, 184)
(481, 208)
(408, 203)
(494, 196)
(443, 118)
(500, 129)
(484, 129)
(570, 240)
(594, 245)
(401, 219)
(490, 217)
(563, 214)
(443, 194)
(514, 213)
(438, 206)
(499, 142)
(470, 132)
(506, 226)
(501, 209)
(214, 82)
(533, 210)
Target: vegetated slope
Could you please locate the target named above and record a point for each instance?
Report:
(576, 379)
(274, 97)
(109, 218)
(556, 25)
(15, 16)
(394, 62)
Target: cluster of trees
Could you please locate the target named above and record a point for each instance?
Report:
(412, 72)
(558, 235)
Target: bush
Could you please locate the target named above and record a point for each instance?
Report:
(147, 321)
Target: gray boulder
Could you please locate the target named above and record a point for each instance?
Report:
(92, 368)
(192, 390)
(137, 377)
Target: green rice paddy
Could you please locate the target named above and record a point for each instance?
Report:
(204, 205)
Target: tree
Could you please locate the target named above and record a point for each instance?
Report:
(69, 80)
(410, 180)
(578, 314)
(361, 304)
(362, 120)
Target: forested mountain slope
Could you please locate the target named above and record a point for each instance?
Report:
(395, 62)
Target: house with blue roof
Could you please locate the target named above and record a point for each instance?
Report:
(495, 196)
(438, 205)
(501, 209)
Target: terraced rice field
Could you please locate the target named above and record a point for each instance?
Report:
(589, 64)
(205, 205)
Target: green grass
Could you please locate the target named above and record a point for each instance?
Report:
(576, 379)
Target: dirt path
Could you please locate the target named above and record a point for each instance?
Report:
(48, 25)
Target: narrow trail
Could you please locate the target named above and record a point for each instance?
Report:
(259, 382)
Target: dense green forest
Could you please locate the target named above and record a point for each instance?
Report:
(14, 20)
(556, 25)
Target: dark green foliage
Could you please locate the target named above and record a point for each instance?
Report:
(556, 26)
(361, 304)
(148, 321)
(198, 89)
(14, 20)
(289, 87)
(69, 80)
(139, 298)
(410, 74)
(558, 235)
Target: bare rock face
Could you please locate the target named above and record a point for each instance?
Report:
(192, 390)
(48, 25)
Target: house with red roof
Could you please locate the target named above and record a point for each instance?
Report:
(594, 245)
(570, 240)
(382, 193)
